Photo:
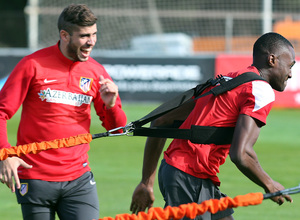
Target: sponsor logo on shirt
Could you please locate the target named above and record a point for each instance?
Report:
(85, 84)
(68, 98)
(24, 188)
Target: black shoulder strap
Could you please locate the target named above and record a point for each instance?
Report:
(211, 134)
(234, 82)
(196, 93)
(174, 103)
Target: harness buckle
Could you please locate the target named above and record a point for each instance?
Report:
(217, 80)
(127, 129)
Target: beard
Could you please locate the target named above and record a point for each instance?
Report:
(74, 52)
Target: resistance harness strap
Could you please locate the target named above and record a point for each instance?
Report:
(196, 134)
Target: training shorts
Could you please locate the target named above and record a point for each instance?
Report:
(178, 187)
(76, 200)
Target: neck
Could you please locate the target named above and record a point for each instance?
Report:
(63, 50)
(263, 74)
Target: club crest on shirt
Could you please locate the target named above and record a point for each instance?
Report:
(85, 84)
(24, 188)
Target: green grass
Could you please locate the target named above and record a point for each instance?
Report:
(117, 163)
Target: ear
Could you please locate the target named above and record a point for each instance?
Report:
(271, 60)
(64, 36)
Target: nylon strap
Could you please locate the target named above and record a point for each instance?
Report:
(176, 102)
(196, 134)
(235, 82)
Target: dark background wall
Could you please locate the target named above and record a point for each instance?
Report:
(12, 23)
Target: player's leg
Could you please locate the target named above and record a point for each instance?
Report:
(213, 192)
(79, 199)
(37, 199)
(37, 212)
(179, 188)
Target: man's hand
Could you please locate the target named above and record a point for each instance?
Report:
(278, 199)
(108, 92)
(9, 170)
(142, 198)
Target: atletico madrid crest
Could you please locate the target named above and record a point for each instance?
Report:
(24, 188)
(85, 84)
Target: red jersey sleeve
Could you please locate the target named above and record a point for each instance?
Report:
(13, 94)
(113, 117)
(257, 100)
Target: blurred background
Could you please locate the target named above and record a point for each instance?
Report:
(154, 49)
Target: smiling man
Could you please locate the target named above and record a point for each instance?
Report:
(78, 37)
(56, 87)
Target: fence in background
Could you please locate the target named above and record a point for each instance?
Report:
(213, 26)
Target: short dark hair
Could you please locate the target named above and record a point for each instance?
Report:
(269, 43)
(75, 15)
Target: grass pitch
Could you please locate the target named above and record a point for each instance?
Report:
(117, 165)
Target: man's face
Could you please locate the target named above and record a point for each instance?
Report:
(82, 42)
(282, 71)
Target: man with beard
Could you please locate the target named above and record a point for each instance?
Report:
(56, 86)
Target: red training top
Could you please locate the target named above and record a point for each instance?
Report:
(56, 94)
(203, 161)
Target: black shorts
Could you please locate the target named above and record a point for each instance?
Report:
(75, 199)
(178, 187)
